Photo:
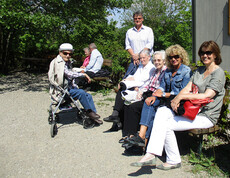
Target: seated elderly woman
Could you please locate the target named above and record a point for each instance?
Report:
(175, 79)
(87, 58)
(208, 82)
(133, 82)
(132, 112)
(60, 69)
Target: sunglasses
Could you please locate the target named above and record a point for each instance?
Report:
(175, 57)
(65, 53)
(208, 53)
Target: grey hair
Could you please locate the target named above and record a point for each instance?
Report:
(161, 52)
(138, 13)
(86, 49)
(92, 46)
(145, 51)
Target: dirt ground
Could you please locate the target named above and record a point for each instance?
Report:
(27, 150)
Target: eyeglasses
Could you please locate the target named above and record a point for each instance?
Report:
(65, 53)
(208, 53)
(175, 57)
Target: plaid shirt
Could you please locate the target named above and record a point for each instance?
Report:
(156, 79)
(70, 75)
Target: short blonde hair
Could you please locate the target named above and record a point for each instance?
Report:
(176, 50)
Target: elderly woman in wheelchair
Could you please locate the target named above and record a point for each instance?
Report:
(61, 74)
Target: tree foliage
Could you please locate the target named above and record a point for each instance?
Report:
(34, 28)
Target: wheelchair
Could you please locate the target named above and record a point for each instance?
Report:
(66, 104)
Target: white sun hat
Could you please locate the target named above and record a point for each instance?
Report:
(66, 47)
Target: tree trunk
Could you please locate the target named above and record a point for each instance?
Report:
(5, 60)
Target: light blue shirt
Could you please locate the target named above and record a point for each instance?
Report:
(95, 63)
(175, 84)
(138, 40)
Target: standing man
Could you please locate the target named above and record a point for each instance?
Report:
(138, 38)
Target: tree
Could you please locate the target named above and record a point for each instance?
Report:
(34, 28)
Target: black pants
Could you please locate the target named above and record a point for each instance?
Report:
(132, 116)
(82, 81)
(119, 102)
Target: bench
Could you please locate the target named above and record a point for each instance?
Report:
(105, 81)
(37, 63)
(199, 133)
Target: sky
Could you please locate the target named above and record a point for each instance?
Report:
(116, 16)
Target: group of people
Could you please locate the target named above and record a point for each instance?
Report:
(140, 110)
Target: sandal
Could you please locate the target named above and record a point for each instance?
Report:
(136, 140)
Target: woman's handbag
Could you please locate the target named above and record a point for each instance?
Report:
(192, 107)
(187, 108)
(146, 94)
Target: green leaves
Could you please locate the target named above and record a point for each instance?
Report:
(36, 28)
(203, 163)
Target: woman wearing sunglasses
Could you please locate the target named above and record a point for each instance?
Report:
(176, 78)
(209, 81)
(61, 70)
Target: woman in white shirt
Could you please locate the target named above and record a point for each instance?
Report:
(140, 79)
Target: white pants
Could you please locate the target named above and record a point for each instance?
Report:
(162, 135)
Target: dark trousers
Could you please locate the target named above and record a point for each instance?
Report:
(82, 81)
(132, 115)
(131, 70)
(119, 102)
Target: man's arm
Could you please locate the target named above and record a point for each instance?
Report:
(134, 56)
(129, 48)
(150, 41)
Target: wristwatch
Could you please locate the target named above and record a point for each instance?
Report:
(163, 94)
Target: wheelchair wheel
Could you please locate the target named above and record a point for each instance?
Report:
(88, 123)
(50, 119)
(53, 129)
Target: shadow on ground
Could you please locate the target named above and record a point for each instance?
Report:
(28, 81)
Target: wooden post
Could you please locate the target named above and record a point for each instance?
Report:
(228, 17)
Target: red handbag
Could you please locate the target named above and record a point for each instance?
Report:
(192, 107)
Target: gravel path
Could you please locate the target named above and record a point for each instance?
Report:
(27, 150)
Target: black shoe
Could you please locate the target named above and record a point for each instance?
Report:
(126, 145)
(115, 127)
(93, 115)
(136, 140)
(111, 118)
(122, 140)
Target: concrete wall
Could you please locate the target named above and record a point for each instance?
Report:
(210, 22)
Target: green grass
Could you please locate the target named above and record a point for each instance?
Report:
(202, 163)
(109, 99)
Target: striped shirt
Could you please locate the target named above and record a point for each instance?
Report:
(70, 75)
(156, 79)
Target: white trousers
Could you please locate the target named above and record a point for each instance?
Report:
(162, 135)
